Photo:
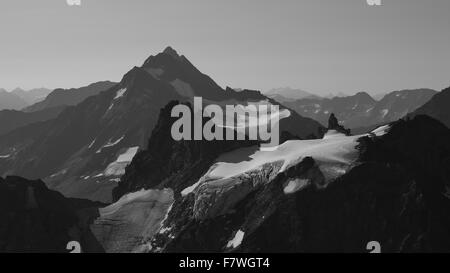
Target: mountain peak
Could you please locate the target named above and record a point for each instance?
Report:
(168, 51)
(172, 52)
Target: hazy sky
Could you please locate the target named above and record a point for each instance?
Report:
(317, 45)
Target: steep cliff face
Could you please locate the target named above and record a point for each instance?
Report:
(171, 164)
(395, 191)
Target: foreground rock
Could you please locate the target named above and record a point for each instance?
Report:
(394, 191)
(36, 219)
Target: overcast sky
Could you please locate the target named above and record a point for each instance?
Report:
(320, 46)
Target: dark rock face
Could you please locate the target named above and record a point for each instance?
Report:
(36, 219)
(67, 97)
(396, 195)
(437, 107)
(11, 119)
(333, 124)
(170, 163)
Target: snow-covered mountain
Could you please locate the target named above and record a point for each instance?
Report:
(85, 150)
(333, 194)
(327, 194)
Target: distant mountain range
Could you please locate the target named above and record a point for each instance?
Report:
(320, 190)
(19, 98)
(85, 150)
(67, 97)
(33, 95)
(11, 101)
(49, 108)
(286, 94)
(361, 109)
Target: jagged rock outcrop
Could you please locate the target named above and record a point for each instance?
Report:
(395, 195)
(168, 163)
(333, 124)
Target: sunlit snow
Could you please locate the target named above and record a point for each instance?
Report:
(163, 196)
(110, 144)
(335, 150)
(382, 130)
(117, 167)
(295, 185)
(120, 93)
(237, 240)
(129, 224)
(190, 189)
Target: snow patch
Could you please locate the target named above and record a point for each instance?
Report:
(382, 130)
(62, 172)
(110, 107)
(334, 154)
(92, 144)
(261, 118)
(237, 240)
(129, 224)
(117, 167)
(162, 196)
(4, 156)
(165, 229)
(120, 93)
(190, 189)
(110, 144)
(295, 185)
(384, 112)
